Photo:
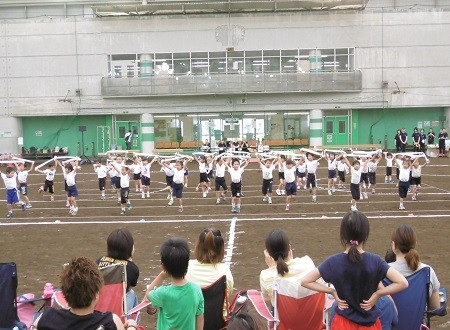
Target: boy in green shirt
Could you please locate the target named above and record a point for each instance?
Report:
(181, 303)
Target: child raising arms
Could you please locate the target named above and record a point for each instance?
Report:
(236, 170)
(355, 276)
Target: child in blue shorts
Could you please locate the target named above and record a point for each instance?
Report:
(12, 195)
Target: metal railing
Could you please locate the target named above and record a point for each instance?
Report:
(232, 84)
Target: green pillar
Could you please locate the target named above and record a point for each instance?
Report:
(148, 133)
(315, 128)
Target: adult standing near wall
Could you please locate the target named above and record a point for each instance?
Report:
(128, 136)
(416, 140)
(403, 140)
(397, 140)
(443, 135)
(431, 135)
(423, 140)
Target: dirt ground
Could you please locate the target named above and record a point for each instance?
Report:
(40, 240)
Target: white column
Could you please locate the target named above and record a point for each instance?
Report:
(316, 127)
(147, 132)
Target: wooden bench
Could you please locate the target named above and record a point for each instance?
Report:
(374, 146)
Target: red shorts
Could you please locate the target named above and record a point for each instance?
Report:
(341, 323)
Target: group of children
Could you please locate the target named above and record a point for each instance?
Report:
(295, 171)
(16, 183)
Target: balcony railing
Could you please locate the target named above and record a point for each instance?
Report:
(232, 84)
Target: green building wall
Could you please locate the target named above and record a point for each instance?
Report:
(380, 125)
(63, 131)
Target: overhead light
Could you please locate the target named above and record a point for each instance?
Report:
(260, 114)
(296, 113)
(165, 116)
(202, 115)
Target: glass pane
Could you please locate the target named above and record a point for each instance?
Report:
(217, 55)
(289, 64)
(123, 57)
(290, 52)
(217, 65)
(342, 126)
(271, 53)
(181, 66)
(199, 55)
(235, 62)
(200, 66)
(181, 56)
(329, 127)
(342, 62)
(273, 65)
(163, 56)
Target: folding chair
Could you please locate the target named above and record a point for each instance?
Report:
(216, 298)
(296, 307)
(411, 316)
(112, 295)
(8, 290)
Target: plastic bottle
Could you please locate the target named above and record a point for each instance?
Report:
(48, 293)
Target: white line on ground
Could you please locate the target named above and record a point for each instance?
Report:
(230, 245)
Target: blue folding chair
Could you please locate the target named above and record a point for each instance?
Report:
(8, 300)
(412, 302)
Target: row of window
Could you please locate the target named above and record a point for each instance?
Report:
(234, 62)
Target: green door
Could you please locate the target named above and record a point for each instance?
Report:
(122, 127)
(103, 139)
(335, 130)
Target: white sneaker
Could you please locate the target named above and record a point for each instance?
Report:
(414, 198)
(265, 198)
(148, 195)
(353, 208)
(143, 195)
(401, 207)
(204, 195)
(329, 192)
(333, 190)
(283, 192)
(314, 198)
(278, 191)
(168, 196)
(170, 202)
(270, 200)
(218, 201)
(365, 196)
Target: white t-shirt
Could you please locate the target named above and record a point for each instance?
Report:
(168, 170)
(178, 175)
(331, 164)
(70, 179)
(389, 162)
(373, 167)
(267, 172)
(342, 167)
(416, 172)
(281, 166)
(136, 168)
(220, 170)
(124, 180)
(101, 171)
(301, 168)
(145, 170)
(10, 183)
(202, 167)
(236, 174)
(22, 176)
(356, 175)
(311, 166)
(289, 174)
(49, 174)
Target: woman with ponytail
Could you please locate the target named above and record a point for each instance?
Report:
(208, 265)
(355, 276)
(407, 262)
(280, 262)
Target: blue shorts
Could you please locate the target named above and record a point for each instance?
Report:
(145, 180)
(332, 174)
(177, 190)
(169, 181)
(291, 188)
(115, 182)
(72, 191)
(300, 174)
(23, 188)
(12, 196)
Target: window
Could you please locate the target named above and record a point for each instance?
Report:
(217, 62)
(289, 60)
(199, 63)
(329, 127)
(342, 126)
(235, 62)
(181, 63)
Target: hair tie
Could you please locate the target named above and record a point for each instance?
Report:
(354, 242)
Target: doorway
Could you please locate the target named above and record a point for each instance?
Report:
(103, 139)
(122, 127)
(335, 130)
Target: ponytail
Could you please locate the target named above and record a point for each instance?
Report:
(412, 259)
(282, 267)
(353, 254)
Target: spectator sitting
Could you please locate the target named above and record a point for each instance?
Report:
(208, 265)
(81, 282)
(407, 260)
(120, 249)
(245, 321)
(206, 147)
(280, 262)
(180, 304)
